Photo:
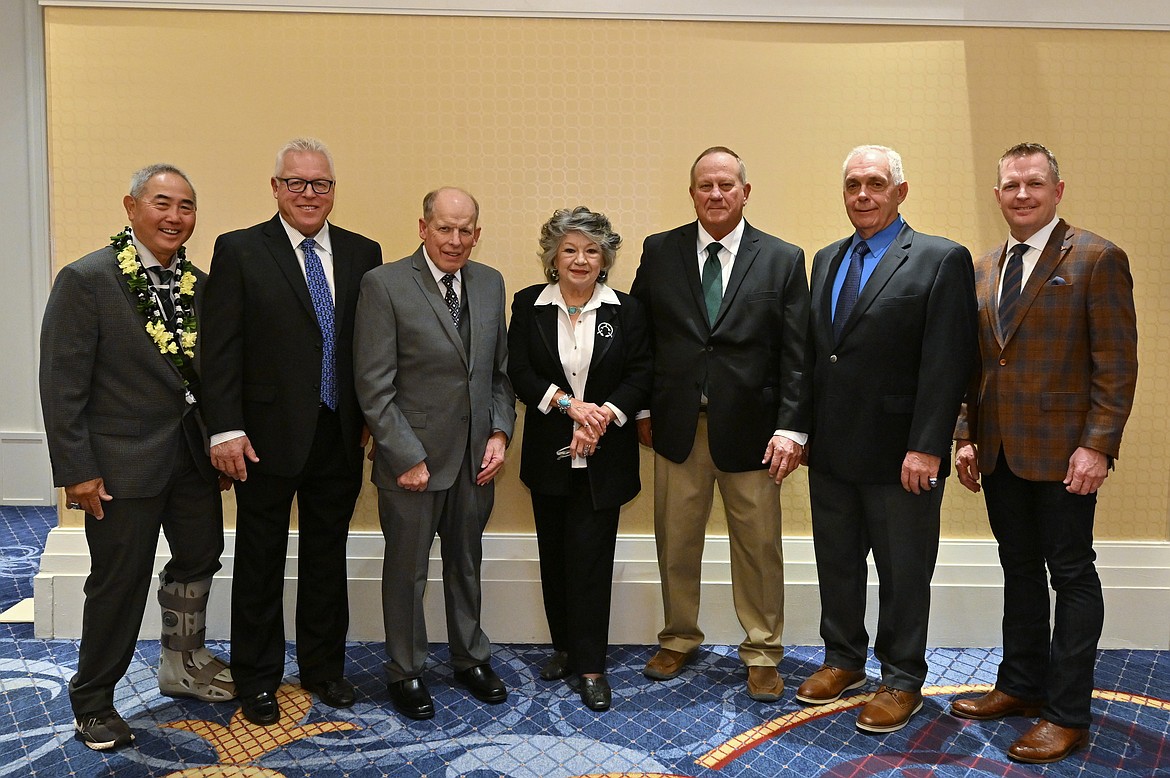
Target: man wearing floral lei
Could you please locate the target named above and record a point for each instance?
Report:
(120, 394)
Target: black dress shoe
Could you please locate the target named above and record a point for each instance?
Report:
(595, 693)
(411, 698)
(556, 667)
(336, 692)
(483, 683)
(260, 708)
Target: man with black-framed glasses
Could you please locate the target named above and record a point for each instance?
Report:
(284, 421)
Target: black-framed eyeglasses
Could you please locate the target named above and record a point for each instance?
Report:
(297, 185)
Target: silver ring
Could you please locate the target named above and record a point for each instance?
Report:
(932, 481)
(73, 505)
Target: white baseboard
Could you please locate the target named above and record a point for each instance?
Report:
(966, 608)
(25, 477)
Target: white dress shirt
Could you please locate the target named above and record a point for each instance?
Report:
(575, 347)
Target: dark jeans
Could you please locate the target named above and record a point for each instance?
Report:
(1039, 524)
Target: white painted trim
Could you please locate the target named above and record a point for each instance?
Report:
(1090, 14)
(25, 476)
(967, 593)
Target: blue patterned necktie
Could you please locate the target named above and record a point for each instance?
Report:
(850, 289)
(323, 307)
(1013, 277)
(713, 282)
(451, 298)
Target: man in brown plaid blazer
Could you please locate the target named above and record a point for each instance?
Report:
(1058, 339)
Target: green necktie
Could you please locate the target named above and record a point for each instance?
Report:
(713, 282)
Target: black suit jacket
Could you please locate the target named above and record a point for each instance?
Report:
(896, 379)
(114, 406)
(619, 373)
(752, 360)
(262, 345)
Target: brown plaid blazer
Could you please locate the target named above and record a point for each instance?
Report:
(1062, 373)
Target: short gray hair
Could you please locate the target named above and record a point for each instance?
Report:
(140, 178)
(893, 161)
(311, 145)
(594, 226)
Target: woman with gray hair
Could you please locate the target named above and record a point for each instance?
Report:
(579, 359)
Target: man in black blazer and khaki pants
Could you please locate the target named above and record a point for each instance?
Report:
(728, 312)
(284, 422)
(893, 322)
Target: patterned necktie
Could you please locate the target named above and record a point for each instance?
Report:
(323, 307)
(713, 282)
(451, 298)
(850, 289)
(160, 280)
(1013, 277)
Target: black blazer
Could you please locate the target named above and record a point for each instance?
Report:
(262, 346)
(619, 373)
(113, 405)
(895, 380)
(753, 359)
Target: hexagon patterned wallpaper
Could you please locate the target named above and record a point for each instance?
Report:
(537, 114)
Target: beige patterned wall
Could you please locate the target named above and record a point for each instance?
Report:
(537, 114)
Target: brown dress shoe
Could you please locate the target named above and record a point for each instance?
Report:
(889, 710)
(994, 705)
(1047, 742)
(666, 664)
(828, 684)
(764, 684)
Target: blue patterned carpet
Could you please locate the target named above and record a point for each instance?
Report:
(700, 724)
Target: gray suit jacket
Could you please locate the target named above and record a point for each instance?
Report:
(113, 405)
(423, 395)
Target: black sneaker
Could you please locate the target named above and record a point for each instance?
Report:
(103, 730)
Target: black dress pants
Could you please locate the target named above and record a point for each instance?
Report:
(122, 551)
(576, 544)
(326, 491)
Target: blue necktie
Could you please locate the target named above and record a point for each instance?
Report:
(713, 282)
(323, 307)
(1013, 277)
(850, 289)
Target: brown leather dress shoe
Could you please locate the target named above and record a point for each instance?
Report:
(889, 710)
(1047, 742)
(827, 685)
(994, 705)
(764, 684)
(666, 664)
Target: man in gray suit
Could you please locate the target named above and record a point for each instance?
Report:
(120, 397)
(430, 362)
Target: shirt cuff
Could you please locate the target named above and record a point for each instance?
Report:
(546, 403)
(800, 438)
(224, 437)
(621, 418)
